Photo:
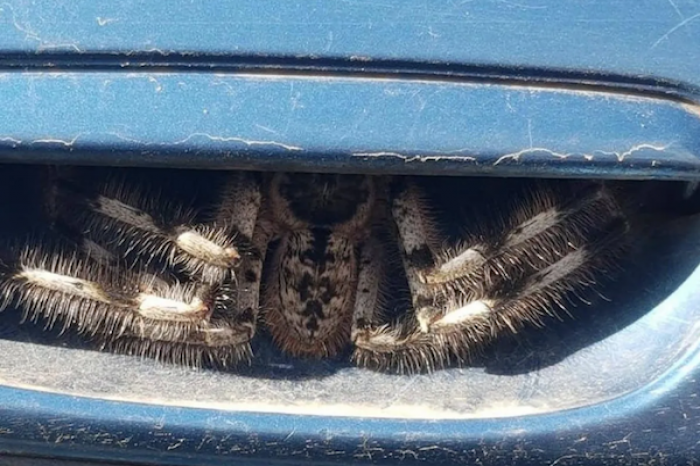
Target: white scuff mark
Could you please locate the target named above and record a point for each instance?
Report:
(674, 29)
(559, 156)
(379, 154)
(159, 86)
(295, 99)
(31, 35)
(11, 140)
(330, 41)
(122, 137)
(104, 21)
(247, 142)
(267, 129)
(438, 448)
(229, 90)
(290, 434)
(25, 29)
(62, 142)
(621, 156)
(361, 58)
(676, 9)
(515, 156)
(155, 51)
(417, 158)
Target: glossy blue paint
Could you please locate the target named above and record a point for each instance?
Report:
(498, 87)
(655, 39)
(637, 425)
(546, 88)
(343, 124)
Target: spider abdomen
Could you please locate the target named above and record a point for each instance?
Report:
(309, 300)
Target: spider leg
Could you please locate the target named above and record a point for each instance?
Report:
(555, 248)
(142, 309)
(250, 279)
(125, 309)
(399, 346)
(133, 221)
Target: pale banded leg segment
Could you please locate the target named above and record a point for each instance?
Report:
(239, 204)
(236, 297)
(247, 290)
(417, 233)
(553, 253)
(122, 217)
(543, 229)
(401, 346)
(542, 293)
(397, 346)
(126, 311)
(368, 299)
(367, 309)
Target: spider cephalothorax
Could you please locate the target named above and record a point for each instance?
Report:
(308, 257)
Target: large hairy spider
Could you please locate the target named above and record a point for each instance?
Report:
(309, 257)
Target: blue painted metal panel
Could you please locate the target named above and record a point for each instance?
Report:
(539, 88)
(496, 87)
(653, 39)
(646, 425)
(343, 124)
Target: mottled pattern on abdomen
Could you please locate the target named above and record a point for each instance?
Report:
(308, 303)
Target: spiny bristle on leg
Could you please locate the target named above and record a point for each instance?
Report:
(43, 275)
(401, 348)
(523, 284)
(182, 353)
(109, 304)
(453, 336)
(556, 250)
(540, 231)
(536, 297)
(123, 217)
(415, 230)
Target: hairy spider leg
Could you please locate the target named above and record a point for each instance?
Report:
(239, 210)
(122, 309)
(548, 254)
(367, 318)
(235, 297)
(369, 297)
(550, 235)
(149, 312)
(400, 346)
(134, 222)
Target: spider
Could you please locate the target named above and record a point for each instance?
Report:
(309, 257)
